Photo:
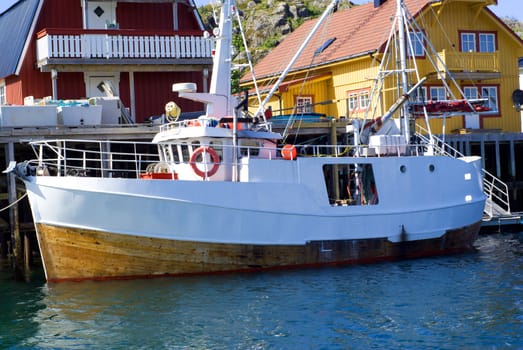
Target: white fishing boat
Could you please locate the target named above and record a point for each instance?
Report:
(220, 194)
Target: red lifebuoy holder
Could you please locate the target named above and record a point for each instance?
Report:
(215, 158)
(288, 152)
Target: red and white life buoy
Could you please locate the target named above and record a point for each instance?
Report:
(215, 158)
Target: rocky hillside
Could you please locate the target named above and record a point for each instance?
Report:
(266, 22)
(514, 24)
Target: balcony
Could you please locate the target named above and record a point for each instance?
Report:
(469, 65)
(85, 47)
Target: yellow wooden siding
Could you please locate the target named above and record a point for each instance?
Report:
(442, 22)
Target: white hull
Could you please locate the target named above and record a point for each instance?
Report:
(410, 206)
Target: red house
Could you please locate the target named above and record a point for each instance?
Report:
(66, 49)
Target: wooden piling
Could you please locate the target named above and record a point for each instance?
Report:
(16, 239)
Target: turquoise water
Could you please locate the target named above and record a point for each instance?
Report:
(472, 301)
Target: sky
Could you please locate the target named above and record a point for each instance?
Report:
(504, 8)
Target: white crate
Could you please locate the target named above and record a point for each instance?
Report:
(27, 116)
(110, 109)
(79, 115)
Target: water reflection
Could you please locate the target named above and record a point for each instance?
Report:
(465, 301)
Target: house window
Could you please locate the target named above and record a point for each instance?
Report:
(478, 42)
(352, 102)
(490, 93)
(419, 95)
(358, 100)
(3, 99)
(364, 99)
(415, 44)
(437, 93)
(304, 104)
(468, 42)
(470, 93)
(487, 42)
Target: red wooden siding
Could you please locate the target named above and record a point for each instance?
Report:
(125, 96)
(139, 16)
(154, 90)
(14, 90)
(186, 18)
(60, 14)
(70, 86)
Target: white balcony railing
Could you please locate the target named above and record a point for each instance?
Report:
(122, 46)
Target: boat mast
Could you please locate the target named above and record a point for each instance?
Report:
(221, 74)
(400, 20)
(219, 101)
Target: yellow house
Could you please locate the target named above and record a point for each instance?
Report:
(336, 71)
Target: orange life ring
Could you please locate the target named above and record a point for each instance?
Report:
(214, 157)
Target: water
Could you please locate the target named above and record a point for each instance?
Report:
(472, 301)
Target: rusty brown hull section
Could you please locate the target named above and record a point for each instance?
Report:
(77, 254)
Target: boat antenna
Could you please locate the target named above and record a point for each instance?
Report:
(260, 112)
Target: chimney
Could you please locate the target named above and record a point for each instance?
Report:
(378, 3)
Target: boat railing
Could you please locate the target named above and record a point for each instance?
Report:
(211, 122)
(133, 159)
(94, 158)
(496, 190)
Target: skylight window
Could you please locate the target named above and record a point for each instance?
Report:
(325, 45)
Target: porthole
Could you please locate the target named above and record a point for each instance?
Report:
(403, 168)
(431, 168)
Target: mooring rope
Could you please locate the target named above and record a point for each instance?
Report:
(16, 201)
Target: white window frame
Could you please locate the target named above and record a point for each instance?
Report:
(417, 42)
(468, 42)
(415, 96)
(437, 93)
(487, 42)
(470, 92)
(491, 93)
(304, 104)
(352, 102)
(3, 96)
(364, 99)
(478, 42)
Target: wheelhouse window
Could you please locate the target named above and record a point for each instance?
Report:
(415, 47)
(350, 184)
(304, 104)
(478, 42)
(249, 147)
(490, 93)
(169, 153)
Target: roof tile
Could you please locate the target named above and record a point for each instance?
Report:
(357, 30)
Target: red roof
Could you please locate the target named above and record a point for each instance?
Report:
(358, 30)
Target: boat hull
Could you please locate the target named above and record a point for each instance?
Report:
(80, 254)
(104, 228)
